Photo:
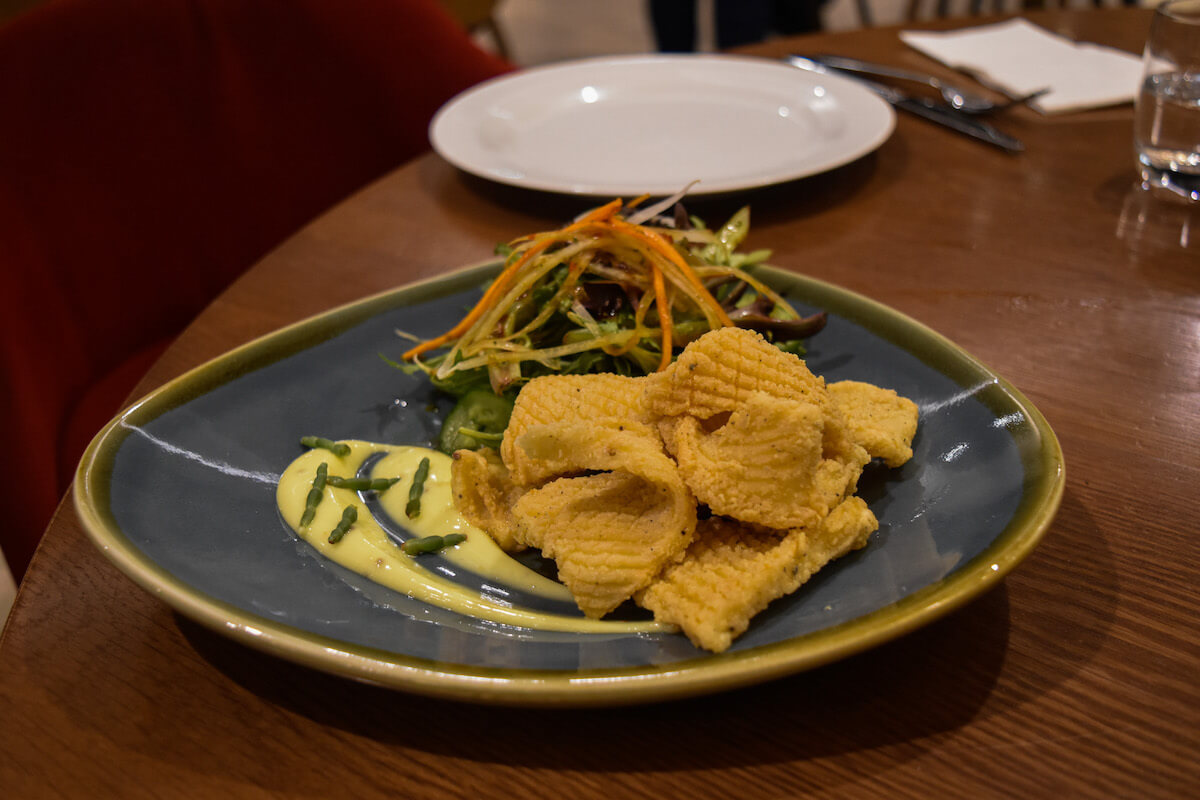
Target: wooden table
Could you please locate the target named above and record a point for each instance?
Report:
(1077, 677)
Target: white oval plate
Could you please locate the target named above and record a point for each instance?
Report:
(652, 124)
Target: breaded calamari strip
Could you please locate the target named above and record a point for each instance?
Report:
(610, 533)
(485, 495)
(767, 464)
(718, 371)
(880, 420)
(732, 571)
(601, 398)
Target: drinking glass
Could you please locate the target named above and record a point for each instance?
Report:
(1166, 131)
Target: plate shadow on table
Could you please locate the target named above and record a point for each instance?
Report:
(929, 682)
(897, 697)
(778, 202)
(1070, 589)
(868, 701)
(1042, 627)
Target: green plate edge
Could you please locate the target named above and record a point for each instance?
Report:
(628, 685)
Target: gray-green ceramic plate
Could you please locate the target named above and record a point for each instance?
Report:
(179, 492)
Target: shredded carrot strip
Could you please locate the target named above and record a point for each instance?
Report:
(505, 278)
(637, 201)
(498, 287)
(670, 253)
(600, 221)
(604, 212)
(664, 315)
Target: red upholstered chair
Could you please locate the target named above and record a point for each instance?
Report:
(150, 152)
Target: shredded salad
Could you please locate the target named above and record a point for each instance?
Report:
(617, 290)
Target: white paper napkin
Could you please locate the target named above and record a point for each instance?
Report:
(1019, 57)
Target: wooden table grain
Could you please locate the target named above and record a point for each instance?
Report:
(1079, 676)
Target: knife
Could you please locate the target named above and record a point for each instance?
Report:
(927, 109)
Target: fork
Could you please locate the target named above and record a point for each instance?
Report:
(959, 99)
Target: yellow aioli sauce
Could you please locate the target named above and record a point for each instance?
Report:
(367, 549)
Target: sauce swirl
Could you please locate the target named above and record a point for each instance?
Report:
(368, 550)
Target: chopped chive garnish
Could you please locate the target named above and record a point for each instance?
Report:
(413, 508)
(426, 544)
(314, 495)
(337, 448)
(431, 544)
(362, 484)
(348, 518)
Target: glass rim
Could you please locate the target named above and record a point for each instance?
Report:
(1174, 10)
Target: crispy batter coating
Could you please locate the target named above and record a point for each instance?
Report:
(603, 474)
(761, 466)
(485, 494)
(769, 464)
(718, 371)
(610, 533)
(756, 435)
(603, 399)
(732, 571)
(574, 447)
(611, 536)
(880, 420)
(847, 528)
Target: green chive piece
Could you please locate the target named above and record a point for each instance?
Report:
(413, 508)
(349, 516)
(337, 448)
(426, 544)
(432, 544)
(362, 484)
(314, 495)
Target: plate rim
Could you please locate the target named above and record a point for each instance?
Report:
(507, 686)
(614, 189)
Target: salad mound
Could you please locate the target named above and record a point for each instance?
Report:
(617, 290)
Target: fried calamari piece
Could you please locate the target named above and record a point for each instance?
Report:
(582, 446)
(610, 533)
(602, 398)
(713, 380)
(769, 464)
(847, 528)
(718, 371)
(602, 473)
(485, 494)
(732, 571)
(880, 420)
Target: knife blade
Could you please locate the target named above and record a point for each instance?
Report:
(926, 109)
(955, 120)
